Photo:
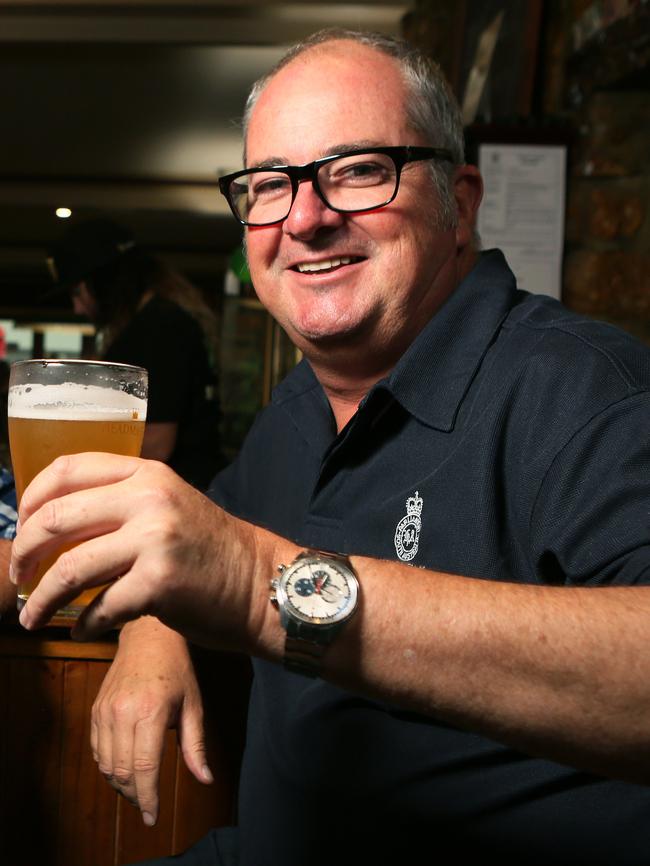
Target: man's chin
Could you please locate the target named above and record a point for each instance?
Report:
(330, 332)
(320, 342)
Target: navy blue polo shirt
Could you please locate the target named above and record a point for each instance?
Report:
(509, 443)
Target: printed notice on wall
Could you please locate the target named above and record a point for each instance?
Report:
(523, 211)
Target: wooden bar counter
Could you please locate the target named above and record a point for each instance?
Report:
(55, 807)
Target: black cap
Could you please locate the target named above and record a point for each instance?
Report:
(85, 247)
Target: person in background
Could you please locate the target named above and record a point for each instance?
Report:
(149, 315)
(5, 457)
(452, 666)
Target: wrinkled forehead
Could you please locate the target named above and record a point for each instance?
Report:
(340, 91)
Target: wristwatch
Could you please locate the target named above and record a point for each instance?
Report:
(316, 595)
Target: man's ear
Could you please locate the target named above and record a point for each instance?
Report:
(468, 191)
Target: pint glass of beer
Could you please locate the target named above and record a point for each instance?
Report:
(65, 407)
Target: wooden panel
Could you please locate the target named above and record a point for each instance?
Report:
(56, 649)
(225, 683)
(135, 841)
(197, 807)
(52, 643)
(28, 823)
(5, 782)
(87, 804)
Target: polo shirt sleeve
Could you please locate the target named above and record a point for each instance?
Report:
(591, 520)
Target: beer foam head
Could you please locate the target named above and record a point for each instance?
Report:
(70, 401)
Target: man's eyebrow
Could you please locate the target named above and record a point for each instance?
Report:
(273, 161)
(270, 162)
(352, 145)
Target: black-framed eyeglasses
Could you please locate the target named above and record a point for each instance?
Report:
(351, 182)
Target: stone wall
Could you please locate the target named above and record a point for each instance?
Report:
(607, 253)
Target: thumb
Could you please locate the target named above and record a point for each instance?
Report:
(191, 738)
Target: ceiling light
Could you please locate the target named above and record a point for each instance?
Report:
(63, 213)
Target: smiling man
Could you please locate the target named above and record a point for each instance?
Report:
(451, 667)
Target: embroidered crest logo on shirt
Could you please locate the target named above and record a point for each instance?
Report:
(407, 531)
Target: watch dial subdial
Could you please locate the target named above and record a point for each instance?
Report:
(331, 594)
(304, 587)
(320, 579)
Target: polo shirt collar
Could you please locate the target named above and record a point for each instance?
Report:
(432, 377)
(302, 398)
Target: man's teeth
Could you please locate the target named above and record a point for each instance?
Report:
(327, 264)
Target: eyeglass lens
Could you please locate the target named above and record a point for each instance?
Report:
(350, 183)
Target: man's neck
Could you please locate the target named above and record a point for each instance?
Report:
(344, 404)
(345, 388)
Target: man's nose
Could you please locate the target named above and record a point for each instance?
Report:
(309, 214)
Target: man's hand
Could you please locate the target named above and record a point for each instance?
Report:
(177, 555)
(149, 688)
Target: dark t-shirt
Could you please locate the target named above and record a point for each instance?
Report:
(169, 343)
(510, 443)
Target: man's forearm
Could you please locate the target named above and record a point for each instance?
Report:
(556, 672)
(149, 630)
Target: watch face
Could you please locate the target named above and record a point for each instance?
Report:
(319, 590)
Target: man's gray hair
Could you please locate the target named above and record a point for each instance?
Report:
(431, 110)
